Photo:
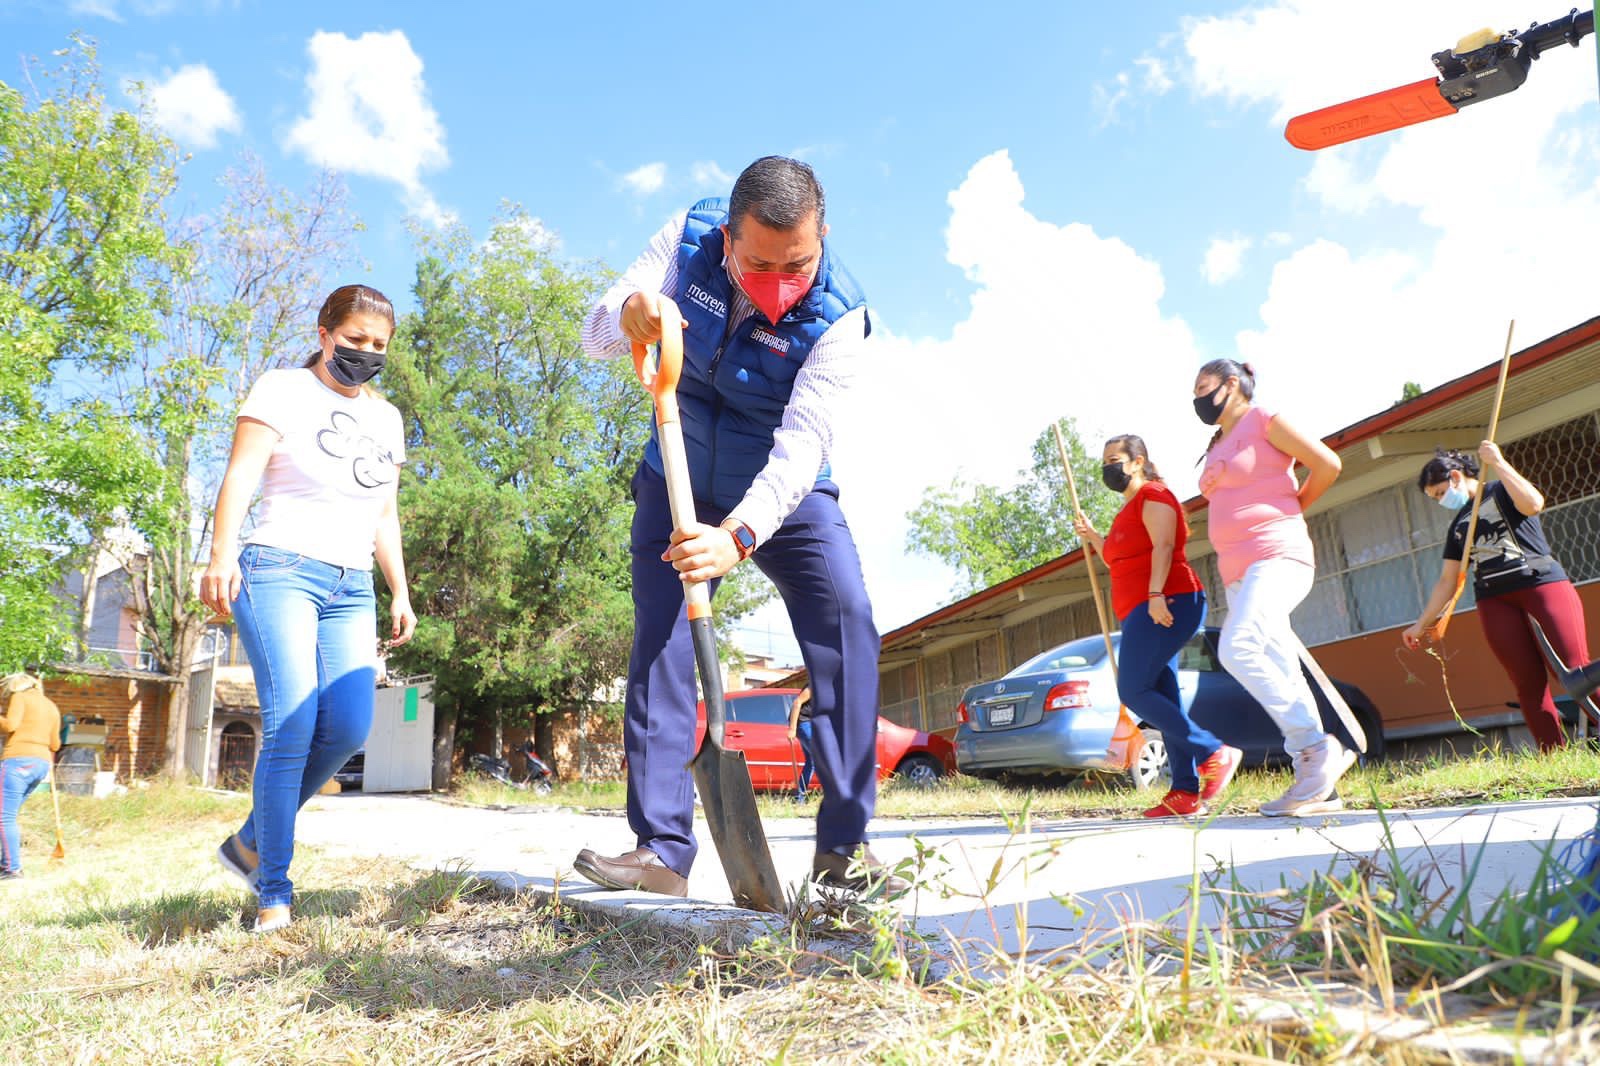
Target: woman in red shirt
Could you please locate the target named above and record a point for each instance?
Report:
(1160, 605)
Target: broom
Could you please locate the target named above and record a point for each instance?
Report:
(55, 801)
(1434, 632)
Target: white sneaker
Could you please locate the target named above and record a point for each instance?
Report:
(1317, 770)
(271, 919)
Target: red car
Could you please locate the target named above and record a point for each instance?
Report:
(758, 725)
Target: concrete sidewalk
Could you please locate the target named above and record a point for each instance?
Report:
(1063, 881)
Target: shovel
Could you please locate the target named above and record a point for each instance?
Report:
(1587, 704)
(720, 775)
(55, 801)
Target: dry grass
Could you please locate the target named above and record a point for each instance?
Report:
(135, 951)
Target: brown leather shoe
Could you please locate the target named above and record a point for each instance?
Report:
(859, 871)
(639, 870)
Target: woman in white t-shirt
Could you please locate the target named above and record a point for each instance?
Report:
(326, 451)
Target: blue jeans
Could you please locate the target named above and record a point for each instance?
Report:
(803, 733)
(310, 629)
(1147, 682)
(21, 776)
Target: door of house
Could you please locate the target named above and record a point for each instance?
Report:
(236, 756)
(197, 741)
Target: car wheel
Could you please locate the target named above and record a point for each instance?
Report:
(920, 771)
(1367, 715)
(1150, 765)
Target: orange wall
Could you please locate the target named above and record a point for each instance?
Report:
(1406, 686)
(135, 713)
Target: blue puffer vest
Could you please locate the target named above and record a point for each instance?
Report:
(736, 382)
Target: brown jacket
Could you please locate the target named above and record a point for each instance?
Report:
(32, 724)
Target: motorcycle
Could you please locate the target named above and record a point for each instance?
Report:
(540, 778)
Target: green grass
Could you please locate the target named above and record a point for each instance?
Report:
(479, 791)
(134, 950)
(1489, 776)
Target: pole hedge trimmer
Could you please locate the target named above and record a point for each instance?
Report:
(1480, 67)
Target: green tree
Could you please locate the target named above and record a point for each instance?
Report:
(988, 534)
(1409, 391)
(514, 504)
(82, 188)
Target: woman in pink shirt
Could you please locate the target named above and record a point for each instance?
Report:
(1257, 526)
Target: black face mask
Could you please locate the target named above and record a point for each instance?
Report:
(1209, 408)
(1116, 478)
(352, 366)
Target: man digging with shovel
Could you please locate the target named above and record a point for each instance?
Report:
(773, 331)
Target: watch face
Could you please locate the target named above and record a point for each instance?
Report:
(745, 539)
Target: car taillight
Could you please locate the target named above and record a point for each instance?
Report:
(961, 712)
(1067, 694)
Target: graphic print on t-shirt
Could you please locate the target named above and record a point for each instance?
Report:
(371, 464)
(1493, 546)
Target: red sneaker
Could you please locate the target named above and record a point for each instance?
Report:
(1218, 770)
(1175, 804)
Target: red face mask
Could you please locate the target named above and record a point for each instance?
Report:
(772, 293)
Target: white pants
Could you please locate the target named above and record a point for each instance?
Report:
(1262, 653)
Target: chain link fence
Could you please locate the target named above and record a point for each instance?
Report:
(1378, 557)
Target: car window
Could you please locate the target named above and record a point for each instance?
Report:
(772, 709)
(1085, 651)
(1198, 655)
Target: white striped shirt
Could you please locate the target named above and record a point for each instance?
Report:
(804, 437)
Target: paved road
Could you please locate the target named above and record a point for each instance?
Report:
(1062, 880)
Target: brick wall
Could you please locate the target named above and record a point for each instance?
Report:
(563, 757)
(135, 711)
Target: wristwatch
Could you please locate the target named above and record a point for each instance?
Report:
(744, 539)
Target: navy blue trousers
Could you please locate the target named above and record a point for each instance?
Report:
(1147, 682)
(813, 562)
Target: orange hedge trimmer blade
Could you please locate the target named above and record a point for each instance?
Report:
(1378, 113)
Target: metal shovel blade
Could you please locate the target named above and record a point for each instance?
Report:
(1559, 668)
(729, 802)
(727, 796)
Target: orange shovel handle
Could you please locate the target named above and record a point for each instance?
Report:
(662, 379)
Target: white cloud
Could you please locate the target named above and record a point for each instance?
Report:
(974, 401)
(1156, 79)
(1224, 259)
(1447, 229)
(193, 107)
(529, 228)
(1106, 97)
(705, 174)
(105, 9)
(1332, 181)
(369, 114)
(642, 181)
(110, 9)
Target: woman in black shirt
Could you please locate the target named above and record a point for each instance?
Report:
(1515, 578)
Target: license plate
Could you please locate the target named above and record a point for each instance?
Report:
(1003, 714)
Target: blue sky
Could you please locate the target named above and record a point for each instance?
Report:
(1055, 208)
